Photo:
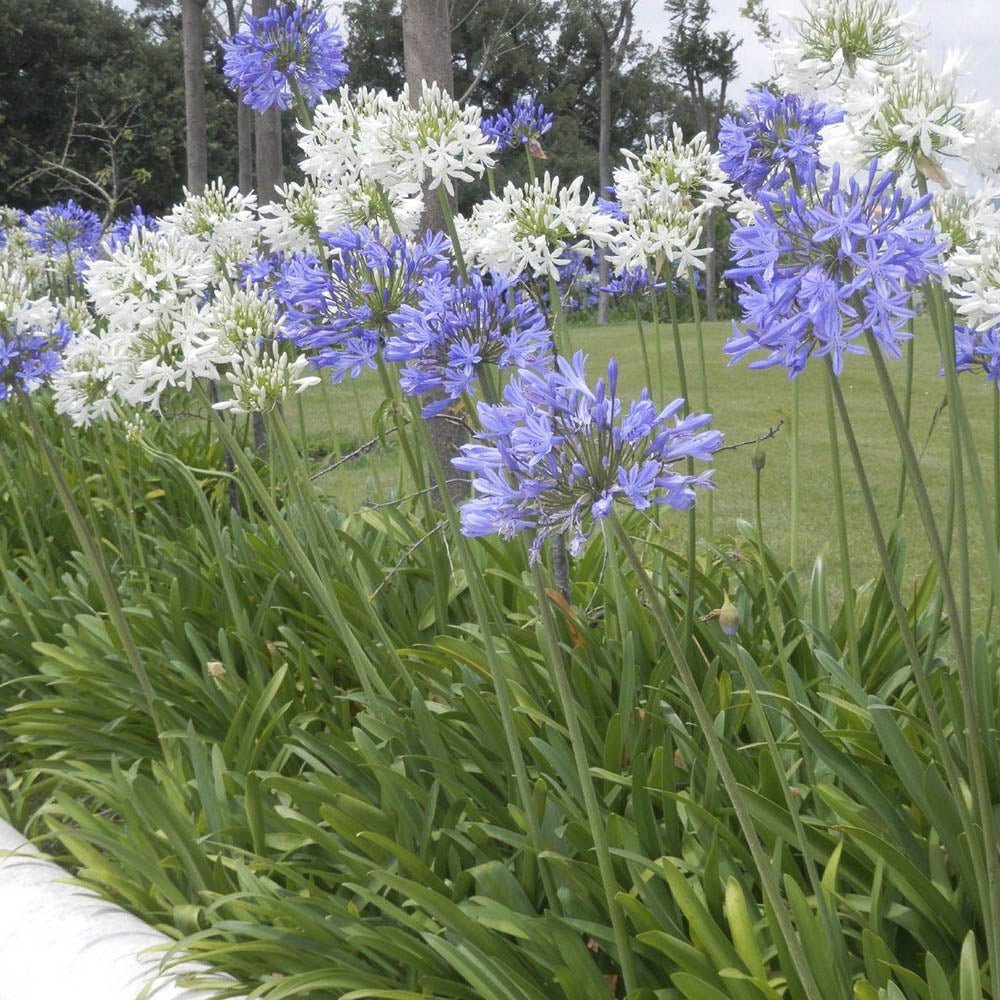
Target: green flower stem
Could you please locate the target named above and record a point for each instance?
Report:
(908, 413)
(974, 731)
(918, 664)
(793, 475)
(595, 819)
(363, 432)
(654, 301)
(390, 387)
(449, 224)
(703, 368)
(102, 574)
(482, 604)
(645, 349)
(762, 862)
(847, 584)
(675, 328)
(531, 164)
(692, 514)
(560, 328)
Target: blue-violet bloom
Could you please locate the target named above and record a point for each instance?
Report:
(338, 312)
(774, 140)
(64, 229)
(287, 53)
(454, 328)
(559, 455)
(817, 270)
(523, 124)
(978, 350)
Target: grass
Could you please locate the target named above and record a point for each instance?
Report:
(747, 405)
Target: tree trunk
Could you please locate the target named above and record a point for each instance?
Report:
(196, 130)
(427, 56)
(244, 119)
(267, 138)
(604, 169)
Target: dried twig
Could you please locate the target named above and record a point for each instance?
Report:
(405, 556)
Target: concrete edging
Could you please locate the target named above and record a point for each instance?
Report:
(59, 941)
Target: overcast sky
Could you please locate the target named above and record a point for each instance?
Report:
(972, 26)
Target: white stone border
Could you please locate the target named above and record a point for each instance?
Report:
(59, 941)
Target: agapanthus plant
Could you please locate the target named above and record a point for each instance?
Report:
(288, 53)
(338, 311)
(559, 455)
(455, 328)
(522, 124)
(121, 229)
(817, 270)
(775, 139)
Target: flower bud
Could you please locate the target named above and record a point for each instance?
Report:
(759, 459)
(729, 617)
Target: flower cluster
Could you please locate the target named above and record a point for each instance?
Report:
(287, 53)
(559, 455)
(523, 124)
(978, 350)
(63, 230)
(665, 195)
(774, 140)
(818, 270)
(32, 337)
(536, 228)
(338, 312)
(455, 328)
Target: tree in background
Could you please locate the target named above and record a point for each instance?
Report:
(699, 59)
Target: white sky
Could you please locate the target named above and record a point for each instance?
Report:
(972, 26)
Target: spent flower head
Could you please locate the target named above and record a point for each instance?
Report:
(817, 270)
(558, 455)
(288, 53)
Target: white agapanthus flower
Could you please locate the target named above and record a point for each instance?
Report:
(261, 380)
(81, 387)
(330, 146)
(239, 318)
(666, 193)
(535, 228)
(222, 220)
(436, 142)
(910, 118)
(668, 170)
(148, 277)
(975, 282)
(833, 39)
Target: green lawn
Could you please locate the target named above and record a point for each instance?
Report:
(746, 405)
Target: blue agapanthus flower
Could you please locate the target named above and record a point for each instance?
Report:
(774, 141)
(29, 355)
(64, 230)
(559, 455)
(817, 270)
(454, 328)
(978, 351)
(524, 124)
(338, 312)
(122, 229)
(289, 52)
